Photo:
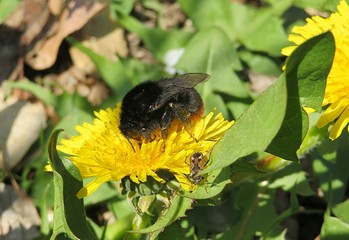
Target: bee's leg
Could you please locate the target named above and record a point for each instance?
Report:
(166, 119)
(164, 133)
(184, 116)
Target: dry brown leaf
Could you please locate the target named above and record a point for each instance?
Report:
(21, 124)
(18, 215)
(260, 82)
(98, 93)
(36, 15)
(102, 36)
(56, 6)
(74, 15)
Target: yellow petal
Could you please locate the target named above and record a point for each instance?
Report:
(340, 125)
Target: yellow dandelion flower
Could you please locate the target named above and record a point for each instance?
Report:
(337, 87)
(103, 153)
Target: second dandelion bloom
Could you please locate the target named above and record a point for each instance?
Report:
(336, 93)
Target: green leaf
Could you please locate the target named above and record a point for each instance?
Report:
(324, 5)
(179, 205)
(292, 178)
(330, 166)
(118, 229)
(314, 136)
(334, 228)
(73, 118)
(41, 93)
(279, 7)
(260, 122)
(69, 218)
(243, 170)
(158, 41)
(68, 103)
(307, 69)
(257, 213)
(277, 235)
(306, 73)
(175, 231)
(294, 209)
(257, 29)
(260, 63)
(341, 210)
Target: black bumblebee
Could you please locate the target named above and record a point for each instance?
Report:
(155, 104)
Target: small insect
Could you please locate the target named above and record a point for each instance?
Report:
(197, 164)
(155, 104)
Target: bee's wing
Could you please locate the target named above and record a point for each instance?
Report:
(174, 86)
(190, 80)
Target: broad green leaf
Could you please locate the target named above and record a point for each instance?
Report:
(254, 130)
(159, 42)
(277, 235)
(307, 69)
(294, 209)
(257, 29)
(260, 63)
(119, 228)
(208, 218)
(306, 73)
(257, 213)
(41, 93)
(73, 118)
(69, 219)
(291, 178)
(68, 103)
(330, 166)
(341, 211)
(314, 136)
(340, 173)
(334, 228)
(175, 231)
(242, 171)
(217, 56)
(324, 5)
(207, 14)
(279, 7)
(107, 192)
(179, 205)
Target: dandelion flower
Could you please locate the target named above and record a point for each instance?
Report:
(336, 93)
(102, 152)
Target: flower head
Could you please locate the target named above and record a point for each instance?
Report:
(337, 87)
(102, 152)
